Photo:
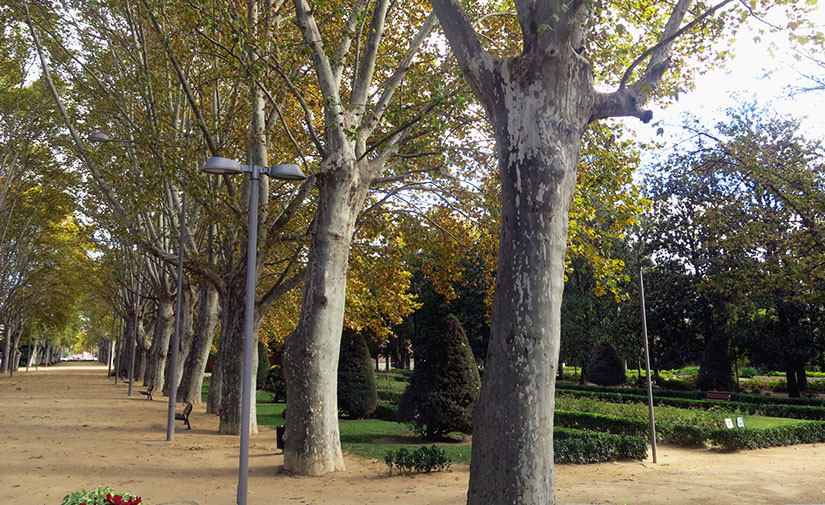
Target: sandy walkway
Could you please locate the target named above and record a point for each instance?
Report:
(68, 427)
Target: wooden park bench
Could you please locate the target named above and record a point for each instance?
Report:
(148, 392)
(185, 415)
(719, 395)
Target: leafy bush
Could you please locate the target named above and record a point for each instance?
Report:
(576, 446)
(748, 372)
(275, 383)
(606, 368)
(444, 387)
(423, 459)
(103, 495)
(357, 397)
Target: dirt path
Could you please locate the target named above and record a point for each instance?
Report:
(68, 427)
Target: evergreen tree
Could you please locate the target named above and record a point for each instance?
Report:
(605, 368)
(357, 396)
(263, 363)
(445, 384)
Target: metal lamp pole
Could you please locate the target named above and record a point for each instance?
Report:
(647, 262)
(288, 172)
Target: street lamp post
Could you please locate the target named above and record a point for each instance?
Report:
(287, 172)
(647, 262)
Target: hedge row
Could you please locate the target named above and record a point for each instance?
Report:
(668, 432)
(774, 410)
(577, 446)
(390, 396)
(748, 438)
(697, 395)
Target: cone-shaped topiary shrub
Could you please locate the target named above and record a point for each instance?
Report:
(263, 364)
(715, 369)
(445, 384)
(605, 368)
(357, 396)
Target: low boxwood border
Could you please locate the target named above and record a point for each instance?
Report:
(749, 438)
(578, 446)
(696, 395)
(765, 409)
(667, 432)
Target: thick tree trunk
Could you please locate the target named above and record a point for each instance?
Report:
(231, 350)
(192, 378)
(312, 440)
(213, 400)
(793, 386)
(4, 366)
(539, 110)
(801, 378)
(186, 337)
(156, 356)
(127, 346)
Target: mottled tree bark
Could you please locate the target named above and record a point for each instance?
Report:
(157, 352)
(539, 104)
(191, 382)
(310, 354)
(4, 366)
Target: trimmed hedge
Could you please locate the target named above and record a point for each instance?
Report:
(748, 438)
(697, 395)
(577, 446)
(667, 432)
(600, 422)
(765, 409)
(393, 397)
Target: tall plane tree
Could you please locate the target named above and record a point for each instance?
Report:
(539, 103)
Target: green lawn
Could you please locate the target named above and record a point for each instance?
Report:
(761, 422)
(367, 438)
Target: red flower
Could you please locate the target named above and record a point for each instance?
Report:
(117, 500)
(700, 404)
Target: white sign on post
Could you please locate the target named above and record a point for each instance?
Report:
(740, 422)
(729, 423)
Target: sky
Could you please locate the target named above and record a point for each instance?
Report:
(744, 79)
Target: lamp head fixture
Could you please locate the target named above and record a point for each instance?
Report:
(226, 166)
(221, 166)
(648, 262)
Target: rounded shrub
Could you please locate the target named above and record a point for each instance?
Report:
(605, 368)
(357, 396)
(444, 386)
